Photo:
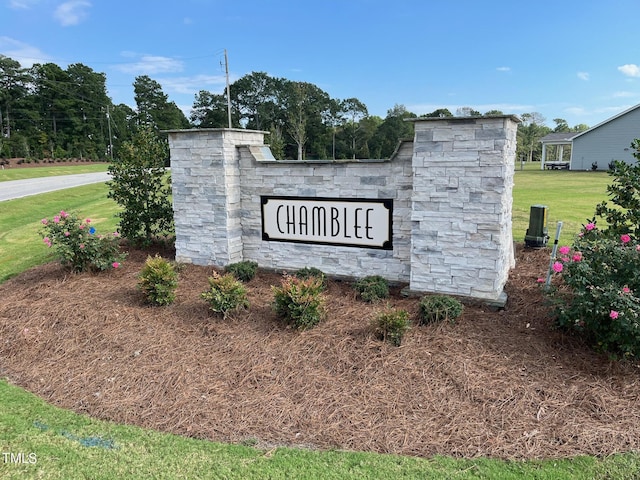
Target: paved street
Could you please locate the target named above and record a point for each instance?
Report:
(34, 186)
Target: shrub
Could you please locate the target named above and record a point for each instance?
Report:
(312, 272)
(372, 288)
(597, 291)
(243, 271)
(436, 308)
(140, 184)
(624, 215)
(158, 280)
(226, 293)
(77, 244)
(391, 325)
(299, 302)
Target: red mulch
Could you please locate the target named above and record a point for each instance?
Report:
(500, 384)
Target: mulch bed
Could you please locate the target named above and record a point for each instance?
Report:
(495, 383)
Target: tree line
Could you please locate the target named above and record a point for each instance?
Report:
(50, 112)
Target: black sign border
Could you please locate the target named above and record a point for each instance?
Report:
(386, 202)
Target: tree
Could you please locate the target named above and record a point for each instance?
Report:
(493, 113)
(141, 186)
(561, 125)
(393, 129)
(154, 107)
(297, 117)
(209, 111)
(13, 86)
(257, 99)
(439, 113)
(530, 131)
(354, 111)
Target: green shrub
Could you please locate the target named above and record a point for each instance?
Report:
(436, 308)
(77, 244)
(226, 293)
(391, 325)
(158, 280)
(309, 272)
(141, 185)
(299, 302)
(598, 291)
(243, 271)
(372, 288)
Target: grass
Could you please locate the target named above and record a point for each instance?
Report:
(24, 173)
(571, 197)
(66, 445)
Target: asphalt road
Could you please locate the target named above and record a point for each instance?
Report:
(34, 186)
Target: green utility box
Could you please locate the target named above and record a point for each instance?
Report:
(537, 233)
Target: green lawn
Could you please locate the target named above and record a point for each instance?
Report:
(34, 172)
(571, 198)
(47, 442)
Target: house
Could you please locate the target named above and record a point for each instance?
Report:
(560, 141)
(598, 146)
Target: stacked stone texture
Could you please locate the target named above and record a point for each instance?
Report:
(451, 189)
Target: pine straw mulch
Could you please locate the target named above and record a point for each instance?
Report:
(499, 384)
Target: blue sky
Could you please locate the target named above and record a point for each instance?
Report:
(577, 60)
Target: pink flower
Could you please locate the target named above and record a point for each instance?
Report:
(116, 234)
(590, 226)
(637, 248)
(115, 264)
(564, 250)
(56, 219)
(66, 234)
(626, 290)
(613, 314)
(82, 245)
(577, 257)
(88, 220)
(63, 214)
(558, 267)
(44, 221)
(540, 280)
(625, 238)
(81, 227)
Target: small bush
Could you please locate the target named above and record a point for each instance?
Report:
(299, 302)
(597, 294)
(243, 271)
(309, 272)
(391, 325)
(225, 294)
(436, 308)
(372, 288)
(77, 244)
(158, 280)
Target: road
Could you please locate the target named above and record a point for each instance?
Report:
(34, 186)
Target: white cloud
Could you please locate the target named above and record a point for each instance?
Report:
(22, 4)
(72, 12)
(150, 64)
(630, 70)
(623, 94)
(192, 85)
(22, 52)
(583, 76)
(503, 69)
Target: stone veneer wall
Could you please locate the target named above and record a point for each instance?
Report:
(451, 188)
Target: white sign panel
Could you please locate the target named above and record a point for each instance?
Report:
(352, 222)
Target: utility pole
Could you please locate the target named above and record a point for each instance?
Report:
(226, 71)
(109, 124)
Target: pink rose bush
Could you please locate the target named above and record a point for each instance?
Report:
(78, 247)
(594, 292)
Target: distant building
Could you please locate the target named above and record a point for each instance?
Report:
(598, 146)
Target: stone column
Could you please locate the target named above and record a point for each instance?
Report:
(205, 176)
(462, 203)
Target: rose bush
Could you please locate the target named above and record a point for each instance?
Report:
(77, 245)
(597, 294)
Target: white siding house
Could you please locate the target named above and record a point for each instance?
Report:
(607, 141)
